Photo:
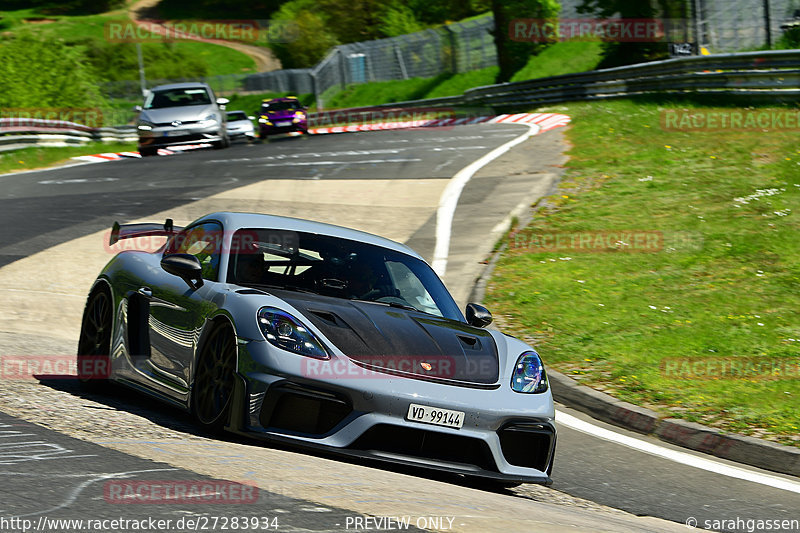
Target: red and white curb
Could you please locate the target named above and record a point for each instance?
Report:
(545, 121)
(114, 156)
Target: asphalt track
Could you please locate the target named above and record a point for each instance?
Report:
(43, 210)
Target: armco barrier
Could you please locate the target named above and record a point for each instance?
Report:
(16, 133)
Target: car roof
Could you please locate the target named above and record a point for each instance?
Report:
(232, 221)
(281, 99)
(184, 85)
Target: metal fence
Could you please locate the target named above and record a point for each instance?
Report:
(727, 25)
(453, 48)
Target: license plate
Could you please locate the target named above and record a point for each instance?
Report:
(435, 416)
(283, 124)
(174, 133)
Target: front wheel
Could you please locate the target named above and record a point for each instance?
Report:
(147, 151)
(212, 391)
(224, 142)
(94, 344)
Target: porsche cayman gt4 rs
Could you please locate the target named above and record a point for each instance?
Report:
(321, 336)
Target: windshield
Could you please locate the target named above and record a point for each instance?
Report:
(237, 115)
(280, 106)
(339, 268)
(177, 98)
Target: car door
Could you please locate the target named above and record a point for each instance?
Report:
(178, 311)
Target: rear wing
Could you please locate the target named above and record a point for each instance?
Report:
(130, 231)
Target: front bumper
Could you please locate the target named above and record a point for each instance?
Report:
(172, 136)
(506, 436)
(282, 126)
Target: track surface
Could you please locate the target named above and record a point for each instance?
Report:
(39, 210)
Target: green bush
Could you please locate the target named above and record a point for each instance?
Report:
(37, 73)
(118, 61)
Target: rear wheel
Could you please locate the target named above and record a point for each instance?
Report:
(212, 391)
(94, 344)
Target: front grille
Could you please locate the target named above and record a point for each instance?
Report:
(167, 141)
(527, 444)
(297, 410)
(183, 122)
(426, 444)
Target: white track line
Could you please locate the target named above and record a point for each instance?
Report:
(449, 199)
(683, 458)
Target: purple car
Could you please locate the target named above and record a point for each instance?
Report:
(281, 115)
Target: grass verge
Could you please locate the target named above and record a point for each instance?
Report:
(566, 57)
(48, 156)
(386, 92)
(704, 326)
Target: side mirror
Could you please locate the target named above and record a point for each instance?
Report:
(137, 108)
(478, 316)
(186, 267)
(251, 117)
(223, 101)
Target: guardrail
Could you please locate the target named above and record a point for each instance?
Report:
(16, 133)
(770, 74)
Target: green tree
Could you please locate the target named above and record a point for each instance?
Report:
(626, 53)
(354, 20)
(312, 41)
(438, 12)
(513, 55)
(399, 20)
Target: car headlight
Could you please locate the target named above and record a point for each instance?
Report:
(529, 375)
(299, 114)
(144, 125)
(264, 120)
(286, 332)
(210, 120)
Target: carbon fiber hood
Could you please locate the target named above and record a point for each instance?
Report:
(402, 342)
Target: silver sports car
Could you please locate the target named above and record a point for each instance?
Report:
(322, 336)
